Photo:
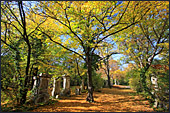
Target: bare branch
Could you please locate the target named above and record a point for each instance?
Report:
(112, 34)
(13, 26)
(78, 68)
(146, 35)
(14, 16)
(62, 45)
(120, 17)
(116, 32)
(37, 27)
(9, 45)
(100, 22)
(155, 33)
(107, 56)
(117, 22)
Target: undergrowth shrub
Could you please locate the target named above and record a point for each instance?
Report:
(98, 82)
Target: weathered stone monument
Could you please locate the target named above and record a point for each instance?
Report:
(82, 87)
(40, 88)
(66, 86)
(155, 87)
(56, 88)
(159, 100)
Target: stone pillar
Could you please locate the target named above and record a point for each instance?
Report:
(77, 91)
(82, 87)
(35, 85)
(115, 82)
(155, 87)
(40, 89)
(111, 81)
(66, 86)
(35, 74)
(56, 88)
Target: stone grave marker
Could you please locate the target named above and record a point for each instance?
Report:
(56, 88)
(77, 91)
(40, 88)
(66, 86)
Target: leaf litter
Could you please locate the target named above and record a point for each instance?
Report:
(108, 100)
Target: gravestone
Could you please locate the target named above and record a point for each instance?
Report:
(35, 74)
(154, 80)
(78, 91)
(66, 86)
(35, 85)
(56, 88)
(116, 81)
(159, 100)
(106, 83)
(40, 89)
(82, 87)
(111, 81)
(155, 87)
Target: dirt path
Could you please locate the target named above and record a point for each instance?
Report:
(108, 100)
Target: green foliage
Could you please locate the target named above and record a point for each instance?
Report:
(163, 85)
(98, 82)
(124, 81)
(75, 80)
(134, 80)
(95, 63)
(160, 70)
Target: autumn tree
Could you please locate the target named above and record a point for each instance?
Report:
(16, 37)
(87, 24)
(147, 39)
(107, 49)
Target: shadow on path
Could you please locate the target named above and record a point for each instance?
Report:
(108, 100)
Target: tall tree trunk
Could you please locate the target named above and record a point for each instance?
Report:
(108, 74)
(109, 84)
(108, 70)
(143, 81)
(25, 87)
(82, 80)
(17, 62)
(89, 79)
